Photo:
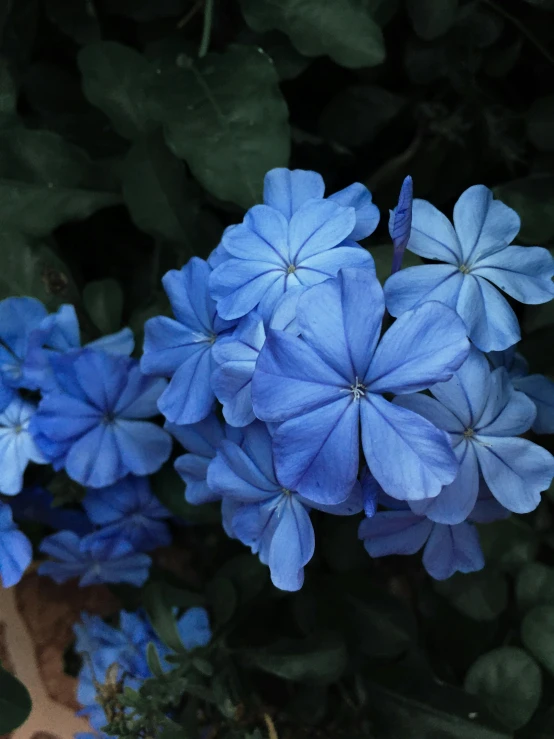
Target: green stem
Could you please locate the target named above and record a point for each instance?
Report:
(524, 30)
(207, 30)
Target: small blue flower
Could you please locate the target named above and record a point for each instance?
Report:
(296, 239)
(322, 387)
(35, 504)
(20, 318)
(16, 552)
(182, 349)
(269, 518)
(94, 559)
(483, 415)
(538, 388)
(128, 510)
(194, 628)
(475, 253)
(92, 423)
(17, 446)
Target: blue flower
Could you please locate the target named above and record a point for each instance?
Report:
(128, 510)
(16, 552)
(483, 415)
(20, 318)
(237, 355)
(17, 447)
(194, 628)
(537, 388)
(92, 425)
(321, 387)
(474, 254)
(182, 348)
(35, 504)
(269, 518)
(94, 559)
(296, 239)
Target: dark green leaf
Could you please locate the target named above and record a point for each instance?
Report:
(248, 575)
(77, 18)
(533, 198)
(103, 300)
(15, 702)
(153, 660)
(226, 117)
(542, 4)
(146, 10)
(162, 617)
(289, 63)
(343, 29)
(535, 585)
(432, 19)
(537, 633)
(509, 544)
(170, 489)
(222, 599)
(320, 658)
(482, 595)
(509, 682)
(8, 91)
(540, 123)
(114, 79)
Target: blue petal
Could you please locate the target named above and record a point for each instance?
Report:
(491, 323)
(524, 272)
(257, 442)
(94, 460)
(314, 270)
(187, 290)
(284, 315)
(414, 286)
(432, 235)
(189, 396)
(194, 628)
(143, 447)
(202, 438)
(317, 226)
(18, 318)
(292, 545)
(122, 342)
(341, 320)
(394, 532)
(103, 377)
(262, 237)
(424, 346)
(62, 418)
(439, 415)
(234, 473)
(168, 344)
(239, 285)
(400, 222)
(483, 225)
(371, 490)
(287, 190)
(515, 470)
(487, 508)
(408, 456)
(349, 507)
(193, 469)
(317, 454)
(452, 549)
(16, 551)
(358, 197)
(507, 412)
(541, 391)
(140, 396)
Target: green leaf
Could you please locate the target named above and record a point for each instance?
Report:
(170, 489)
(153, 660)
(357, 114)
(319, 658)
(533, 198)
(430, 18)
(35, 271)
(8, 91)
(77, 19)
(482, 595)
(223, 600)
(509, 682)
(509, 544)
(248, 575)
(226, 116)
(161, 616)
(15, 702)
(289, 63)
(343, 29)
(146, 10)
(535, 585)
(115, 78)
(537, 633)
(103, 300)
(383, 260)
(540, 123)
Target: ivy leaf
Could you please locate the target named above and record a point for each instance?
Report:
(537, 634)
(540, 123)
(482, 595)
(509, 682)
(226, 117)
(535, 585)
(432, 19)
(15, 702)
(343, 29)
(103, 300)
(114, 79)
(533, 198)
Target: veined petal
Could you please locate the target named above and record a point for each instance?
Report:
(167, 344)
(491, 323)
(234, 473)
(414, 286)
(317, 226)
(439, 415)
(423, 458)
(358, 197)
(232, 385)
(292, 545)
(452, 549)
(102, 376)
(328, 263)
(262, 236)
(238, 285)
(394, 532)
(187, 290)
(284, 315)
(287, 190)
(61, 417)
(432, 235)
(507, 411)
(524, 272)
(189, 396)
(140, 397)
(143, 446)
(94, 459)
(541, 391)
(193, 469)
(202, 438)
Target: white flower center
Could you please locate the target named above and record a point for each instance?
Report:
(357, 390)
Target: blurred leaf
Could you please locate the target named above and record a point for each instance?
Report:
(424, 63)
(161, 616)
(222, 599)
(430, 18)
(146, 10)
(509, 682)
(540, 123)
(340, 544)
(482, 595)
(15, 702)
(33, 270)
(533, 198)
(537, 634)
(357, 114)
(103, 300)
(114, 80)
(501, 61)
(248, 575)
(8, 91)
(77, 19)
(343, 29)
(226, 117)
(319, 658)
(383, 260)
(153, 660)
(535, 585)
(508, 544)
(289, 63)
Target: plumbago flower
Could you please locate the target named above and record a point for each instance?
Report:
(323, 387)
(295, 239)
(182, 349)
(92, 423)
(16, 551)
(265, 515)
(17, 446)
(484, 415)
(474, 253)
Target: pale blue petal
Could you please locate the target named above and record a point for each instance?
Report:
(358, 197)
(394, 532)
(257, 442)
(103, 377)
(432, 410)
(327, 263)
(62, 418)
(140, 397)
(239, 285)
(284, 315)
(193, 469)
(317, 226)
(507, 412)
(424, 346)
(16, 551)
(187, 290)
(143, 446)
(94, 459)
(232, 385)
(202, 438)
(466, 394)
(524, 272)
(261, 237)
(122, 342)
(432, 235)
(194, 628)
(234, 473)
(483, 225)
(371, 491)
(167, 344)
(423, 458)
(292, 545)
(413, 286)
(189, 396)
(452, 549)
(491, 323)
(541, 391)
(19, 316)
(400, 222)
(287, 190)
(349, 507)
